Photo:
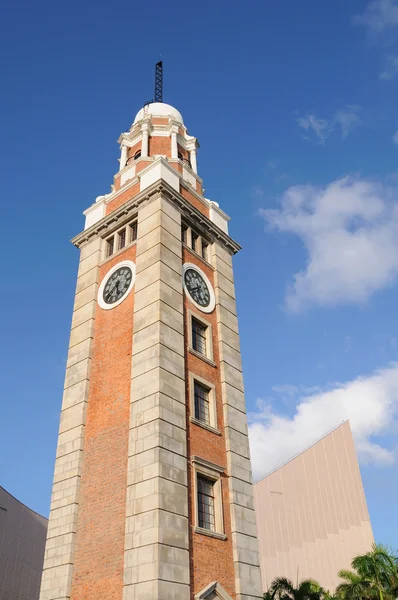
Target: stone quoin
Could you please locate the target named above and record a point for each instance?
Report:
(152, 494)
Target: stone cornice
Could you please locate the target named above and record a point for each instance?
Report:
(128, 210)
(198, 460)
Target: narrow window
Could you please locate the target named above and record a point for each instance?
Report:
(202, 403)
(137, 154)
(205, 253)
(206, 503)
(184, 233)
(122, 239)
(199, 337)
(133, 231)
(195, 241)
(110, 244)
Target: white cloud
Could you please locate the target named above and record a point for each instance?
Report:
(348, 119)
(370, 403)
(349, 229)
(391, 68)
(379, 15)
(345, 119)
(320, 127)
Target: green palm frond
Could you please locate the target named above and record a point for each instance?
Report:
(283, 589)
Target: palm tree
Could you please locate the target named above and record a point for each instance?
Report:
(381, 568)
(374, 576)
(354, 587)
(283, 589)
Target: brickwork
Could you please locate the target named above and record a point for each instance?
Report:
(211, 559)
(123, 523)
(65, 499)
(156, 543)
(183, 152)
(142, 164)
(98, 571)
(159, 145)
(159, 121)
(131, 151)
(122, 198)
(194, 201)
(176, 165)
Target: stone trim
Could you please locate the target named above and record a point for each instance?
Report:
(202, 357)
(209, 337)
(127, 211)
(243, 527)
(209, 533)
(215, 587)
(207, 464)
(197, 255)
(156, 553)
(211, 388)
(212, 472)
(205, 425)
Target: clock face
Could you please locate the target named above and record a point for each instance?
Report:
(116, 285)
(197, 287)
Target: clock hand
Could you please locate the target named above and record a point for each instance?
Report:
(115, 285)
(112, 288)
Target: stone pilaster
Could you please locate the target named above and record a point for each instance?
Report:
(60, 544)
(157, 542)
(243, 522)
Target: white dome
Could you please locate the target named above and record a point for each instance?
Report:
(159, 109)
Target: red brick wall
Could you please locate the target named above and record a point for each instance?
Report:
(159, 145)
(122, 198)
(193, 200)
(182, 151)
(131, 151)
(211, 559)
(99, 556)
(160, 120)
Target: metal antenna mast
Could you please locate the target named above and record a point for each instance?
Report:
(159, 81)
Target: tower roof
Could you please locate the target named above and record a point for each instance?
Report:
(159, 109)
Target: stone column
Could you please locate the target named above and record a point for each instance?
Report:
(60, 545)
(243, 521)
(174, 147)
(157, 540)
(192, 156)
(145, 137)
(123, 157)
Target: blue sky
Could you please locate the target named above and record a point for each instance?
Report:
(294, 105)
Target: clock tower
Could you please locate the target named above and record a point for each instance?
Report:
(152, 494)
